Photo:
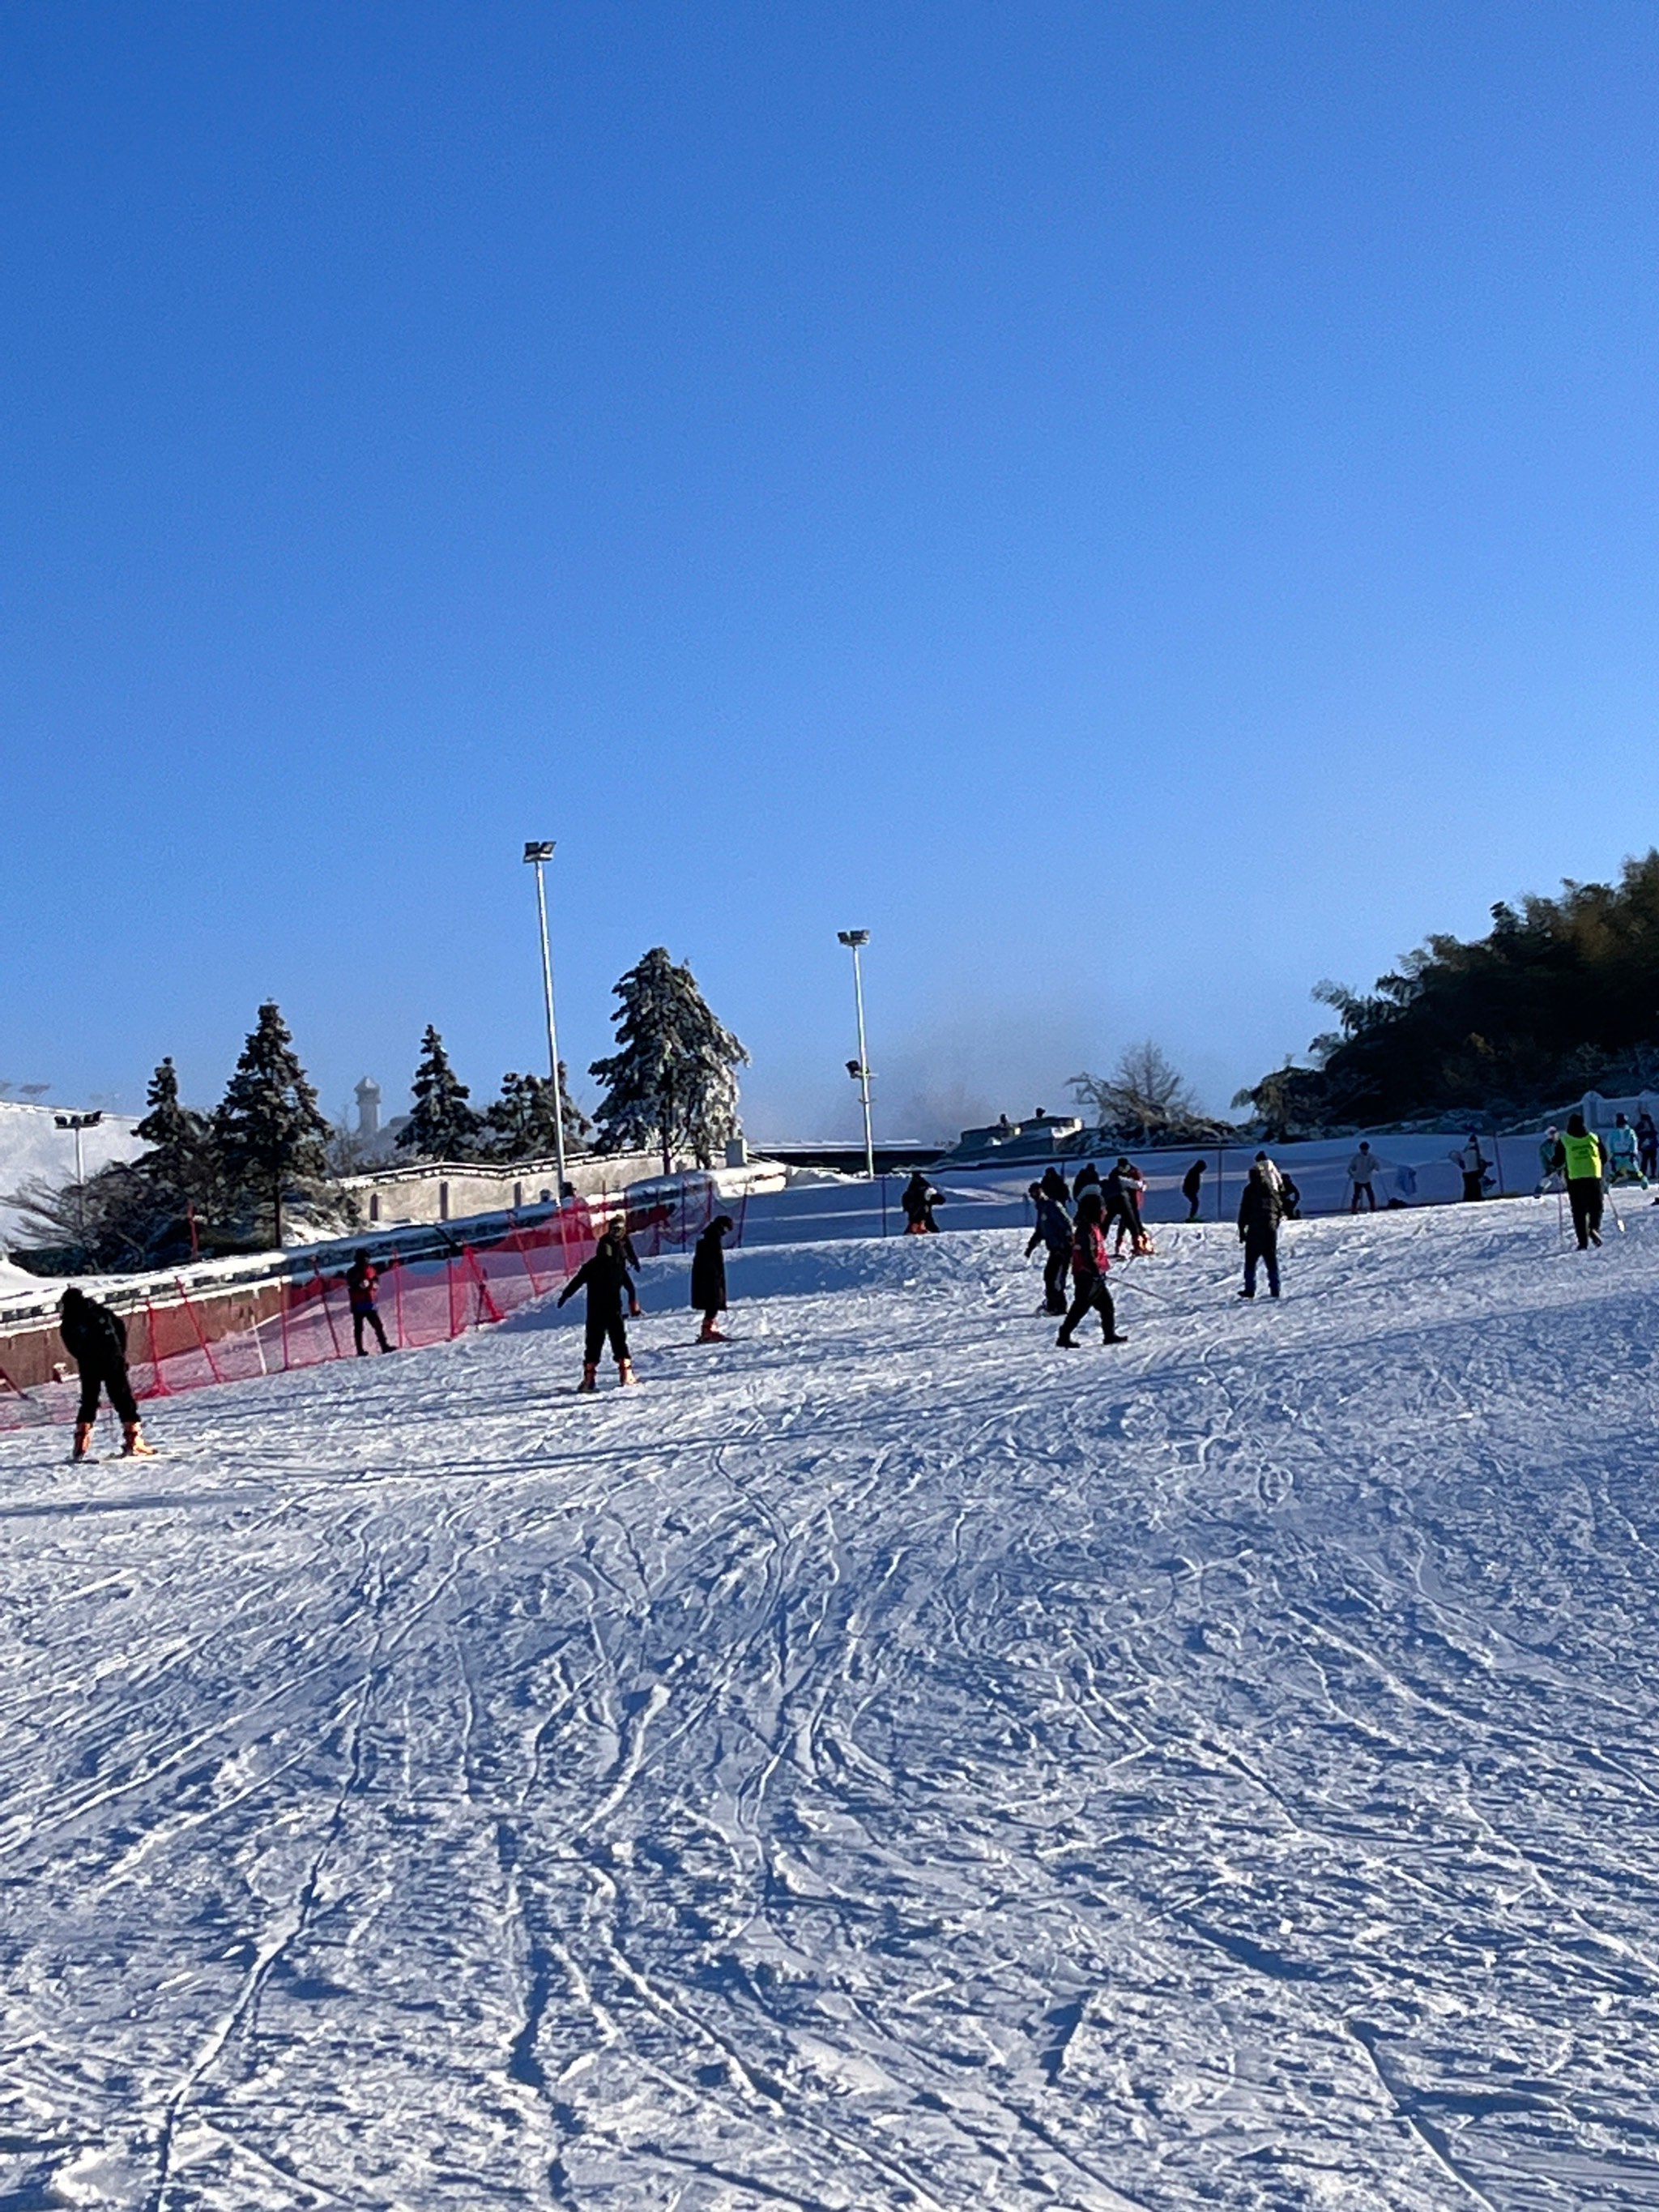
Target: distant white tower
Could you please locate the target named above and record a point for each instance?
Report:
(369, 1108)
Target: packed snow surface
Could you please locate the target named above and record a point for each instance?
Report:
(885, 1761)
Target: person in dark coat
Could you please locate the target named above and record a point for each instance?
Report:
(1260, 1212)
(1647, 1144)
(1054, 1232)
(1089, 1266)
(919, 1199)
(606, 1280)
(708, 1277)
(95, 1338)
(1122, 1189)
(1290, 1198)
(361, 1279)
(1088, 1178)
(1192, 1188)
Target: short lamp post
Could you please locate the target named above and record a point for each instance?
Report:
(855, 940)
(537, 855)
(77, 1122)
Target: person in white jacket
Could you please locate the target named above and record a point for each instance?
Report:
(1362, 1169)
(1472, 1164)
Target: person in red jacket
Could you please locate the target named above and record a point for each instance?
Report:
(361, 1279)
(1089, 1266)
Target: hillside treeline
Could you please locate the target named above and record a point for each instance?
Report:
(1560, 997)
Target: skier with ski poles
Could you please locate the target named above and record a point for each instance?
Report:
(1260, 1209)
(96, 1338)
(1054, 1232)
(708, 1277)
(1089, 1266)
(605, 1278)
(1584, 1163)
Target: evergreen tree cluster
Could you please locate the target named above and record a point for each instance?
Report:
(519, 1125)
(671, 1085)
(229, 1180)
(218, 1182)
(1561, 996)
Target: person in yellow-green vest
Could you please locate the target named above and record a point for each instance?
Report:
(1585, 1163)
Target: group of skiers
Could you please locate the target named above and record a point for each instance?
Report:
(1073, 1224)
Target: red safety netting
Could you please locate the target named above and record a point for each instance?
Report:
(183, 1340)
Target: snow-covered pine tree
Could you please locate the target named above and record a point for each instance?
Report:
(673, 1080)
(268, 1130)
(518, 1125)
(443, 1126)
(179, 1168)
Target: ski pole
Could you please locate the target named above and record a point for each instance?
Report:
(1618, 1219)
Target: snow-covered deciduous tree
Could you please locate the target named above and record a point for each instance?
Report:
(672, 1080)
(443, 1126)
(1144, 1097)
(269, 1135)
(518, 1125)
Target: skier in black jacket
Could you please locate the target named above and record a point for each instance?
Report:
(1260, 1213)
(96, 1340)
(1054, 1232)
(1192, 1188)
(708, 1277)
(919, 1199)
(605, 1278)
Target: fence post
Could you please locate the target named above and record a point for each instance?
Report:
(287, 1285)
(398, 1296)
(491, 1311)
(743, 1212)
(322, 1292)
(449, 1283)
(159, 1383)
(195, 1323)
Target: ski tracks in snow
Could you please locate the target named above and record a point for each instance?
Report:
(883, 1763)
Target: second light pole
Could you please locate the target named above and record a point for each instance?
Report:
(855, 940)
(538, 855)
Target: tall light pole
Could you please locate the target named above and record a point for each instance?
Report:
(855, 940)
(538, 855)
(77, 1122)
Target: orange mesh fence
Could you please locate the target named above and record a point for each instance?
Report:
(180, 1341)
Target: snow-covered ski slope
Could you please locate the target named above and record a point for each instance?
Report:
(883, 1762)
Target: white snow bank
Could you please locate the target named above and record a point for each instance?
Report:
(883, 1762)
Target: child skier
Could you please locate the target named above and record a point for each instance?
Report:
(1089, 1266)
(708, 1277)
(361, 1279)
(96, 1338)
(1124, 1188)
(605, 1278)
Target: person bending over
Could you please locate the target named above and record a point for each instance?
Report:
(96, 1338)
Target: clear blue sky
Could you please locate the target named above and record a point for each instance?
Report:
(1140, 506)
